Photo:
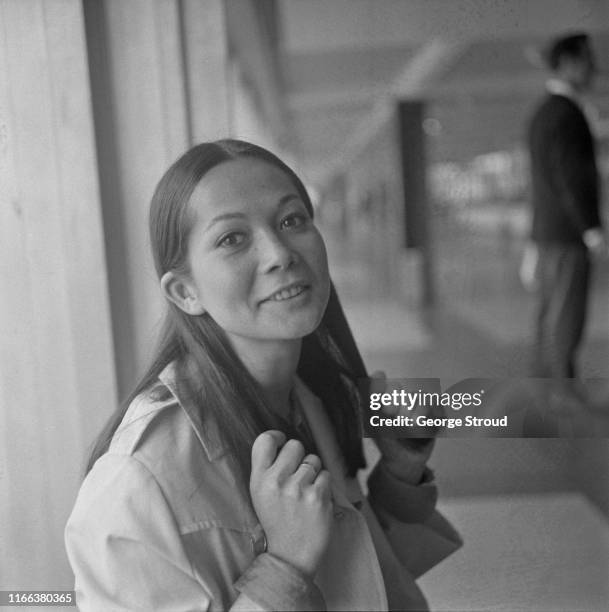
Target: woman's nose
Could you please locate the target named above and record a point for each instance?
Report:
(275, 252)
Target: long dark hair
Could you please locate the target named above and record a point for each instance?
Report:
(208, 371)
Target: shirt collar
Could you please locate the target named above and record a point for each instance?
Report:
(558, 87)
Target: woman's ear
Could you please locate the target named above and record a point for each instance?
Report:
(182, 293)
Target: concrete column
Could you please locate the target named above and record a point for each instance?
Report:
(135, 59)
(56, 358)
(414, 185)
(246, 121)
(158, 72)
(206, 51)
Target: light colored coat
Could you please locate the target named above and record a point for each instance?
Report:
(162, 523)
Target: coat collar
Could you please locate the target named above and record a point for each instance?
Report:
(208, 433)
(558, 87)
(345, 492)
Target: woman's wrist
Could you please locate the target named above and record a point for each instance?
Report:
(306, 568)
(276, 584)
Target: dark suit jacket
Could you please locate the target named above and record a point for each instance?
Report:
(565, 188)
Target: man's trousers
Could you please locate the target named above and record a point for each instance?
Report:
(563, 273)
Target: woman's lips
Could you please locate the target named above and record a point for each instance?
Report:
(287, 293)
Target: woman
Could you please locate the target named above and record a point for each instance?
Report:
(229, 480)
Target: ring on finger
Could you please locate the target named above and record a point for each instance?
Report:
(309, 465)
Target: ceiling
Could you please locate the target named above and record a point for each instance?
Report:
(472, 60)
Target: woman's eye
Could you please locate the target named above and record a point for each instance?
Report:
(293, 220)
(231, 240)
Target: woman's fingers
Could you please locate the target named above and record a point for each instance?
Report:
(288, 459)
(265, 449)
(323, 486)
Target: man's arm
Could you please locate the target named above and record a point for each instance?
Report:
(573, 169)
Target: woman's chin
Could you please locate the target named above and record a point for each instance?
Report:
(297, 326)
(300, 330)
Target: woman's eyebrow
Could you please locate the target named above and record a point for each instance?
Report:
(224, 216)
(286, 199)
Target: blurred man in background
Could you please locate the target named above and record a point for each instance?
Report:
(565, 197)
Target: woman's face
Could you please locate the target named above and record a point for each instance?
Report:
(257, 262)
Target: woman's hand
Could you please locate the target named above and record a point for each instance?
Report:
(405, 458)
(292, 498)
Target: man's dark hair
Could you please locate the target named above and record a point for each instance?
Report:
(573, 46)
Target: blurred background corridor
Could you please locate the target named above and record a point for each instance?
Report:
(407, 120)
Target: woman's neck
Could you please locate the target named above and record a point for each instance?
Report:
(273, 365)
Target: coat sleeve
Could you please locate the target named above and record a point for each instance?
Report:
(126, 552)
(404, 501)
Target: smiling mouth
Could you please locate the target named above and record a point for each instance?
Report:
(287, 294)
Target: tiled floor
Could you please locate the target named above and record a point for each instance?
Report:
(532, 553)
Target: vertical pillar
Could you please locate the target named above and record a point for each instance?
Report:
(158, 73)
(56, 356)
(413, 174)
(206, 63)
(135, 61)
